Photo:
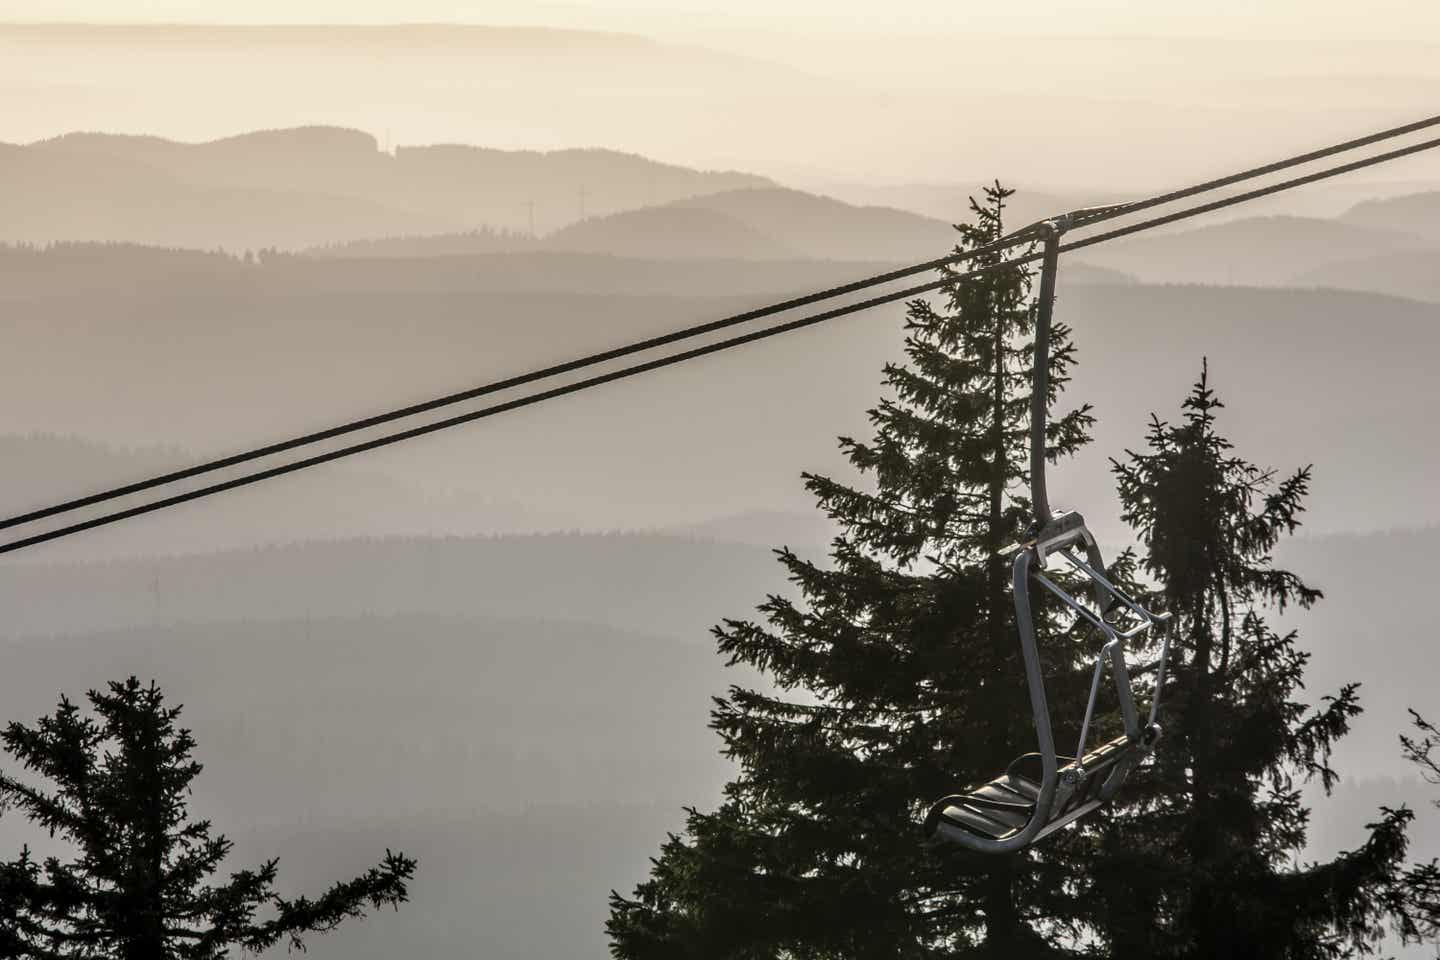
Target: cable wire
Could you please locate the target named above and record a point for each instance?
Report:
(485, 412)
(1298, 160)
(1252, 195)
(1079, 218)
(639, 346)
(1022, 236)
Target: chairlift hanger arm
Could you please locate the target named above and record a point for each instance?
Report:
(1050, 232)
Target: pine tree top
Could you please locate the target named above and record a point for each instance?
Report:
(140, 883)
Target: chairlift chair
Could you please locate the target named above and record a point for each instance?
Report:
(1041, 792)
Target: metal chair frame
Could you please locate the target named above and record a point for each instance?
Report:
(1053, 536)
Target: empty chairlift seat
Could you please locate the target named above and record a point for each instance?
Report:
(1041, 792)
(1005, 806)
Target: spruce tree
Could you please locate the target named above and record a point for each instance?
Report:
(1418, 896)
(896, 678)
(139, 885)
(1199, 856)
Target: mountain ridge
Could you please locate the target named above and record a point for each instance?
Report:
(1269, 250)
(298, 187)
(1419, 212)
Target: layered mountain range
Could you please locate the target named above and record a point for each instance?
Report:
(437, 647)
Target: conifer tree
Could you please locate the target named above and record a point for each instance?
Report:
(1418, 895)
(1198, 857)
(897, 679)
(139, 886)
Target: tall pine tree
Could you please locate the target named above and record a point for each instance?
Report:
(898, 679)
(1199, 858)
(140, 884)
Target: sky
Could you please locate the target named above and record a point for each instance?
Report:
(824, 91)
(911, 16)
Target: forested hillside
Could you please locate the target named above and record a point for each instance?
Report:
(231, 362)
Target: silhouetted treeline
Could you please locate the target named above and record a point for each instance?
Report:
(468, 244)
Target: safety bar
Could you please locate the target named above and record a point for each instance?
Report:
(1114, 650)
(1093, 618)
(1090, 706)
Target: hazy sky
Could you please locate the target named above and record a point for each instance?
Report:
(1141, 92)
(1107, 16)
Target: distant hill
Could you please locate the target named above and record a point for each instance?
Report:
(755, 223)
(511, 711)
(687, 583)
(140, 190)
(950, 203)
(1402, 274)
(751, 224)
(78, 269)
(829, 229)
(496, 187)
(352, 499)
(1369, 628)
(318, 342)
(770, 529)
(675, 586)
(315, 185)
(41, 466)
(659, 593)
(671, 232)
(825, 228)
(334, 157)
(1256, 251)
(1288, 365)
(1417, 213)
(472, 243)
(401, 266)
